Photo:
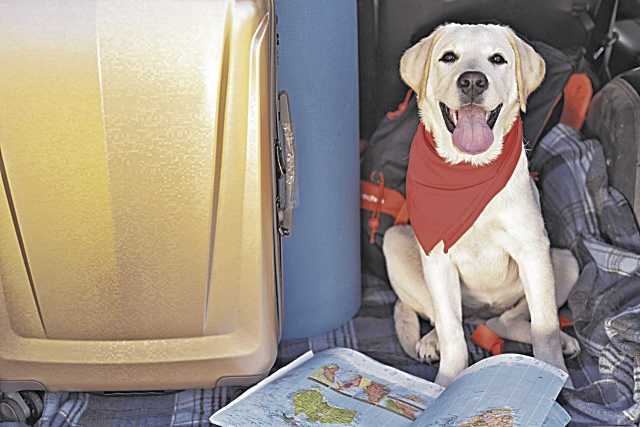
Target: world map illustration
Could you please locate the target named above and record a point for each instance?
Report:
(357, 386)
(341, 387)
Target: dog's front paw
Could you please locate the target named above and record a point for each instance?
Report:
(570, 345)
(427, 348)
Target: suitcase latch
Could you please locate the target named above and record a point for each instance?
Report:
(287, 198)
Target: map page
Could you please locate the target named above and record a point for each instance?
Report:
(557, 417)
(501, 391)
(337, 387)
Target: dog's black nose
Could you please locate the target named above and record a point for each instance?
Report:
(472, 83)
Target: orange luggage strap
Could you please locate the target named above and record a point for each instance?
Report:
(377, 198)
(402, 107)
(565, 322)
(485, 338)
(403, 215)
(577, 98)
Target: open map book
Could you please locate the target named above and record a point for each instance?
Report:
(341, 387)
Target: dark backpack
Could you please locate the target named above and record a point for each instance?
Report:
(383, 164)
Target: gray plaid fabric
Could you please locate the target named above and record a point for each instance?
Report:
(582, 214)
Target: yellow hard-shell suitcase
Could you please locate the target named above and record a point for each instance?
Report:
(139, 221)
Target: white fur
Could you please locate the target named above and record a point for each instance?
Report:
(501, 269)
(435, 81)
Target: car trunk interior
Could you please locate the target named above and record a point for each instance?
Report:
(589, 180)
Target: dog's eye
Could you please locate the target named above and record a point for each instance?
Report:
(497, 59)
(449, 57)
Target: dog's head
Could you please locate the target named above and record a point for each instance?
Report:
(471, 82)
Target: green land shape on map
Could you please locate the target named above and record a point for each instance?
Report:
(313, 404)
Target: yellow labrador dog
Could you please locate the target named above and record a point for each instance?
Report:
(502, 269)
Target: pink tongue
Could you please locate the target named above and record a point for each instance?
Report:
(472, 134)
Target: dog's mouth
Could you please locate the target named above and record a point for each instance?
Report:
(451, 116)
(471, 126)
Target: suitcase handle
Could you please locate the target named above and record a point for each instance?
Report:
(286, 158)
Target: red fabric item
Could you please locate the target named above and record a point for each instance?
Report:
(444, 200)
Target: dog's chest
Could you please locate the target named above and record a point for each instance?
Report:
(489, 277)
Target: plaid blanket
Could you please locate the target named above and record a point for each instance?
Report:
(582, 213)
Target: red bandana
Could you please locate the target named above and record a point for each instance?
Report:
(444, 200)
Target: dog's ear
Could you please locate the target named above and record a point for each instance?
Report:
(530, 68)
(416, 61)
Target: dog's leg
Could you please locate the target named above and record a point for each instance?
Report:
(402, 255)
(565, 273)
(532, 254)
(514, 325)
(407, 324)
(443, 282)
(520, 330)
(428, 348)
(529, 247)
(407, 327)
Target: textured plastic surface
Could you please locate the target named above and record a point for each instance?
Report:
(318, 68)
(137, 245)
